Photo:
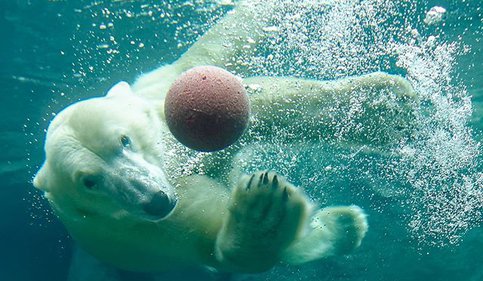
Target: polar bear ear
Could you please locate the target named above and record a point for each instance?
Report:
(121, 88)
(40, 180)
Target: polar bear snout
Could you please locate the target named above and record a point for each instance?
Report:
(159, 206)
(140, 188)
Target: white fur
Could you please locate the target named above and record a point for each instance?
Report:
(250, 229)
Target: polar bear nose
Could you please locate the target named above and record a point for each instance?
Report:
(159, 206)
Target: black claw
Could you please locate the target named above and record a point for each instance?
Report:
(285, 194)
(250, 181)
(260, 179)
(275, 181)
(265, 178)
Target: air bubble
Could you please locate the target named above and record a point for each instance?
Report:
(435, 15)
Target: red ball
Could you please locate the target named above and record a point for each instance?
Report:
(207, 108)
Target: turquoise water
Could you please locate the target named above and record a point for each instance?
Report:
(424, 206)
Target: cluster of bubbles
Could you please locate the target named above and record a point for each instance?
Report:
(441, 163)
(327, 39)
(434, 173)
(123, 34)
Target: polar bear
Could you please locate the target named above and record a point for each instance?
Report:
(108, 176)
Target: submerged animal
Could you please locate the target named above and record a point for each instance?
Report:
(108, 177)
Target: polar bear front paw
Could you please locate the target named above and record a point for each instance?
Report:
(266, 213)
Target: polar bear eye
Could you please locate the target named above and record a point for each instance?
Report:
(89, 181)
(125, 141)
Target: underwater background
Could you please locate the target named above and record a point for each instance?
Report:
(425, 206)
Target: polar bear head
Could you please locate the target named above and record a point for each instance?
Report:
(104, 158)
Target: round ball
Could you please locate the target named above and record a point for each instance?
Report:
(207, 108)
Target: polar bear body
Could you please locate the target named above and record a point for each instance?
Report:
(109, 168)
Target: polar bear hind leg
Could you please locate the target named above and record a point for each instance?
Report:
(375, 109)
